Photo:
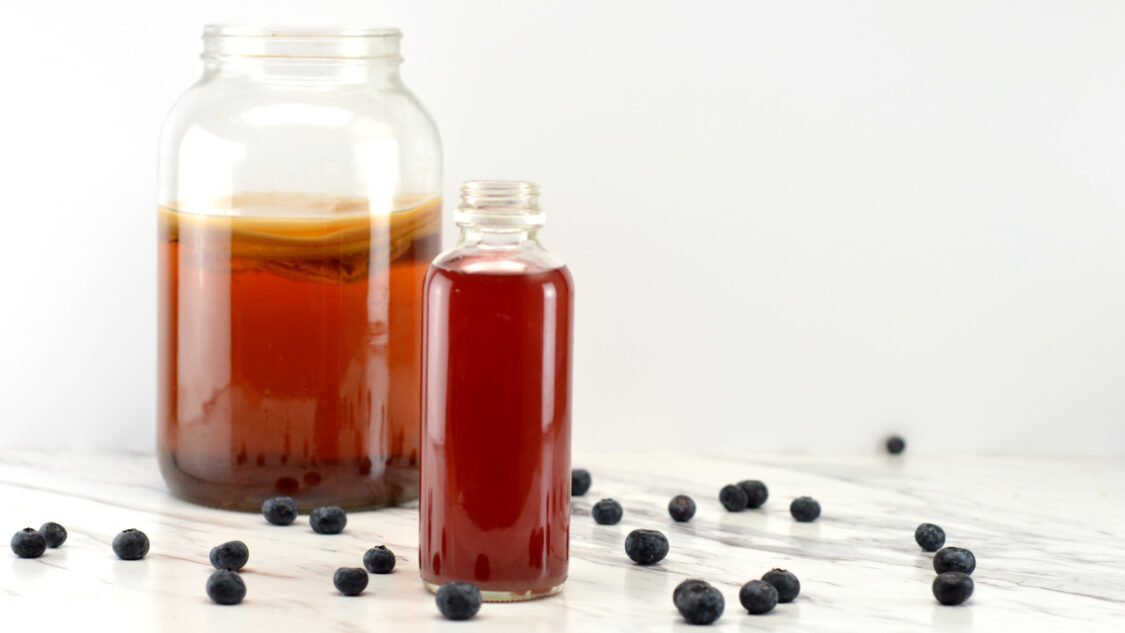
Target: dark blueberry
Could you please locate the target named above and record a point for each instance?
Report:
(758, 596)
(130, 545)
(606, 512)
(458, 600)
(231, 556)
(226, 587)
(328, 520)
(929, 537)
(682, 508)
(54, 533)
(756, 492)
(280, 510)
(579, 482)
(678, 593)
(895, 445)
(953, 587)
(700, 603)
(733, 498)
(350, 581)
(646, 547)
(379, 560)
(955, 559)
(785, 582)
(804, 509)
(28, 543)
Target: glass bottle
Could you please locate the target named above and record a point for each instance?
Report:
(299, 208)
(495, 497)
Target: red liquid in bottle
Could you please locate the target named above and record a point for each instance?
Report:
(495, 496)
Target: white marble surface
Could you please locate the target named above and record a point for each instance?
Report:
(1049, 536)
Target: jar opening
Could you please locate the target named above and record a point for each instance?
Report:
(225, 41)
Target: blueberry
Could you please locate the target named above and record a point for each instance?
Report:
(785, 582)
(231, 556)
(130, 545)
(678, 593)
(733, 498)
(895, 445)
(28, 543)
(804, 509)
(699, 602)
(953, 587)
(54, 533)
(758, 596)
(350, 581)
(929, 537)
(682, 508)
(646, 547)
(226, 587)
(379, 560)
(756, 492)
(606, 512)
(955, 559)
(328, 520)
(458, 600)
(579, 482)
(280, 510)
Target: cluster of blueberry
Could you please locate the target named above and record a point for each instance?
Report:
(225, 585)
(455, 600)
(31, 543)
(699, 602)
(752, 493)
(954, 565)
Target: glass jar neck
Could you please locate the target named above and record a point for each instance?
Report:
(302, 54)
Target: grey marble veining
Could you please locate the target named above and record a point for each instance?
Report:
(1049, 536)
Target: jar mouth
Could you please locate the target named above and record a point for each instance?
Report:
(225, 41)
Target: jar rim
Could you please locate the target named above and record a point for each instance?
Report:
(307, 44)
(281, 31)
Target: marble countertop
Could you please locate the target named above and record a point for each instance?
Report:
(1049, 536)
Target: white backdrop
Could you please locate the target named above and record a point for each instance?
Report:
(793, 225)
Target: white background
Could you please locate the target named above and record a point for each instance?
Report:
(793, 225)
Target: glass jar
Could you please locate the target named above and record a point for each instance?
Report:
(495, 500)
(299, 207)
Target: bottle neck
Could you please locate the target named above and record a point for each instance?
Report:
(499, 237)
(499, 211)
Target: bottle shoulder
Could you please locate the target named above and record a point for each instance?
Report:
(512, 260)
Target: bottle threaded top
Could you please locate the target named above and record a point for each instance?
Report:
(500, 203)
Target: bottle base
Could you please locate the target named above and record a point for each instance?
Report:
(507, 596)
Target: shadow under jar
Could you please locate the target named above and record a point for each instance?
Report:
(299, 208)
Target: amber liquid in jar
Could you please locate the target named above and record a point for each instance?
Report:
(290, 350)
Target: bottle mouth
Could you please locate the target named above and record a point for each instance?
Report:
(500, 204)
(226, 41)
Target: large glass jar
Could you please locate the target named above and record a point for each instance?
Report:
(298, 211)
